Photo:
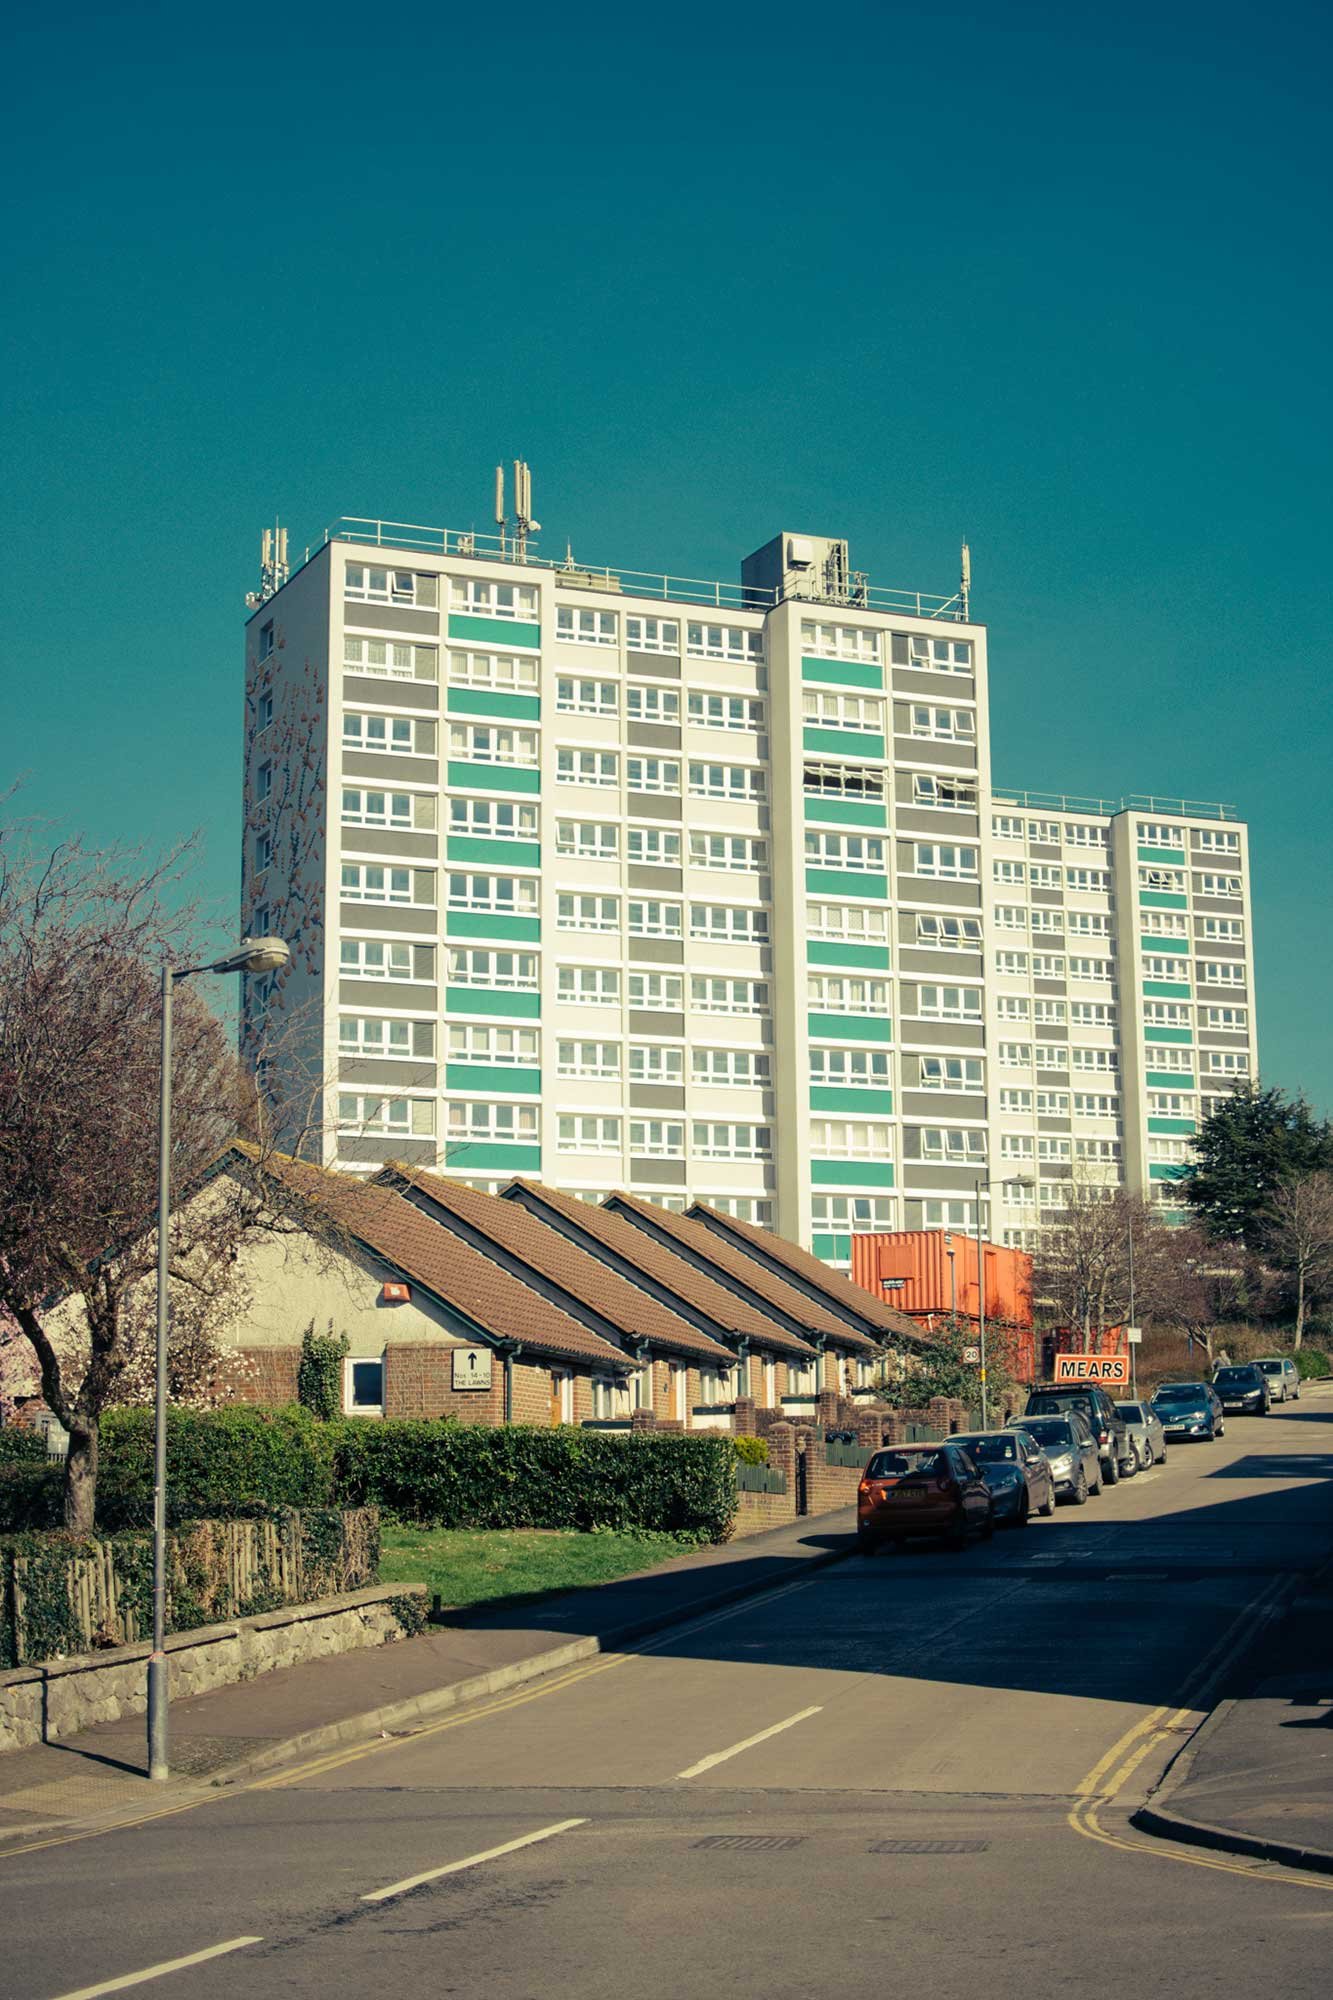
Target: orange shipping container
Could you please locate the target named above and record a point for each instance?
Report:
(938, 1270)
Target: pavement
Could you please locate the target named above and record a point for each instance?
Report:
(97, 1778)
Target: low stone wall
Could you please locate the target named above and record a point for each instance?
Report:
(41, 1703)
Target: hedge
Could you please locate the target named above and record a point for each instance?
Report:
(21, 1446)
(221, 1464)
(1312, 1364)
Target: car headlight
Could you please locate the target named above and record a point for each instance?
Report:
(1062, 1464)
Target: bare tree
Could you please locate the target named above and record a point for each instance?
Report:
(82, 938)
(1298, 1233)
(1082, 1266)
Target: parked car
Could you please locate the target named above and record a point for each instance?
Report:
(1016, 1470)
(1189, 1410)
(1113, 1446)
(1282, 1376)
(1145, 1431)
(1070, 1450)
(1242, 1390)
(922, 1489)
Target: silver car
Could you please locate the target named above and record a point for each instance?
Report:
(1145, 1432)
(1282, 1376)
(1070, 1450)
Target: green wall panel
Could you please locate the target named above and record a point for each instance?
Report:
(869, 957)
(494, 777)
(1164, 1170)
(522, 1006)
(851, 1173)
(845, 743)
(502, 632)
(1168, 1035)
(849, 1028)
(1169, 1080)
(1156, 899)
(473, 1156)
(482, 924)
(863, 1100)
(509, 707)
(1166, 947)
(496, 1079)
(846, 882)
(1172, 1128)
(499, 853)
(843, 673)
(1174, 856)
(1165, 989)
(845, 812)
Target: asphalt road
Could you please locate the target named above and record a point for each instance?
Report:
(905, 1775)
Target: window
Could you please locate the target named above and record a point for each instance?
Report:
(589, 840)
(842, 711)
(1052, 1149)
(1015, 1055)
(263, 851)
(726, 781)
(948, 862)
(952, 794)
(389, 733)
(1088, 881)
(585, 628)
(1166, 1014)
(266, 640)
(396, 809)
(654, 847)
(591, 985)
(1088, 1104)
(493, 819)
(725, 711)
(516, 969)
(371, 883)
(1169, 881)
(650, 918)
(1235, 1020)
(1004, 826)
(845, 850)
(941, 656)
(1016, 1146)
(1155, 833)
(372, 958)
(591, 1059)
(264, 710)
(1048, 965)
(1010, 917)
(587, 767)
(587, 913)
(1166, 1059)
(951, 1073)
(478, 597)
(505, 895)
(1155, 967)
(853, 923)
(857, 1068)
(956, 1145)
(732, 1142)
(1078, 835)
(1044, 831)
(738, 1067)
(611, 1398)
(1164, 923)
(1214, 840)
(1220, 1062)
(650, 1062)
(723, 642)
(1095, 923)
(858, 1213)
(1169, 1149)
(1169, 1104)
(827, 641)
(844, 781)
(587, 1135)
(507, 673)
(1052, 1055)
(1013, 964)
(1016, 1102)
(842, 993)
(736, 852)
(1221, 927)
(586, 697)
(1010, 873)
(1043, 875)
(1013, 1007)
(1216, 885)
(391, 659)
(851, 1138)
(1049, 1013)
(1097, 1149)
(368, 584)
(400, 1117)
(652, 635)
(653, 774)
(1092, 1013)
(486, 743)
(657, 1138)
(728, 923)
(944, 725)
(1101, 969)
(372, 1035)
(1052, 922)
(646, 703)
(474, 1118)
(659, 992)
(1052, 1103)
(729, 996)
(949, 1003)
(482, 1043)
(949, 933)
(363, 1388)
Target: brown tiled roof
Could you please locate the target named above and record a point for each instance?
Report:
(656, 1261)
(695, 1236)
(430, 1255)
(836, 1285)
(578, 1272)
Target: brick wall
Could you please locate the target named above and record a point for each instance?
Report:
(418, 1382)
(264, 1375)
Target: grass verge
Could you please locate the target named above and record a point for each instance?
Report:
(475, 1566)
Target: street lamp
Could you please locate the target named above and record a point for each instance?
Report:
(264, 954)
(983, 1186)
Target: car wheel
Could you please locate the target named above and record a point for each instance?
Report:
(1024, 1510)
(1222, 1430)
(1080, 1493)
(988, 1525)
(866, 1544)
(956, 1538)
(1162, 1459)
(1111, 1471)
(1094, 1486)
(1047, 1507)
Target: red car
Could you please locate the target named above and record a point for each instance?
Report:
(922, 1489)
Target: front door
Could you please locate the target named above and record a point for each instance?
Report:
(562, 1396)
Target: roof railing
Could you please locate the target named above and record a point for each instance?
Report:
(1107, 808)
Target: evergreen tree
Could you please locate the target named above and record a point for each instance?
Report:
(1257, 1140)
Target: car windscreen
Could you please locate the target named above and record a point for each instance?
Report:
(894, 1464)
(1270, 1367)
(1051, 1430)
(1237, 1378)
(990, 1450)
(1179, 1392)
(1131, 1412)
(1048, 1406)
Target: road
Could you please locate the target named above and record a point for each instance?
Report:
(910, 1774)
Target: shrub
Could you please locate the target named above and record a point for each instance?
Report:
(21, 1446)
(751, 1451)
(31, 1496)
(319, 1378)
(1312, 1365)
(221, 1464)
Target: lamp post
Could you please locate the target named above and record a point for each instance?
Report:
(983, 1186)
(252, 955)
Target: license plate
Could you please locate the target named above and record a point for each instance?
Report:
(908, 1495)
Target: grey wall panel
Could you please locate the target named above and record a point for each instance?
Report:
(925, 750)
(644, 875)
(377, 917)
(963, 1037)
(656, 1097)
(1216, 906)
(930, 1178)
(386, 1075)
(662, 666)
(932, 687)
(661, 1026)
(421, 1152)
(371, 691)
(657, 1173)
(359, 617)
(653, 805)
(934, 823)
(389, 768)
(928, 890)
(938, 1107)
(941, 966)
(657, 951)
(387, 841)
(653, 736)
(372, 996)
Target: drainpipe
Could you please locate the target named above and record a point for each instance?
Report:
(510, 1352)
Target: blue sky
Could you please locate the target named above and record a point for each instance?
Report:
(1050, 278)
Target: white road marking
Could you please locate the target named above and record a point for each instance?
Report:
(455, 1867)
(157, 1971)
(721, 1756)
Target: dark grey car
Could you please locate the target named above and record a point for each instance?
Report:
(1070, 1450)
(1016, 1471)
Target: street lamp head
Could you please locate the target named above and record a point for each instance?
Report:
(265, 954)
(1019, 1180)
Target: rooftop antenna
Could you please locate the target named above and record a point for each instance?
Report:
(274, 568)
(524, 525)
(500, 505)
(965, 579)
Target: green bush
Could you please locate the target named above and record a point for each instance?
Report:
(470, 1476)
(751, 1451)
(319, 1378)
(221, 1464)
(21, 1446)
(1312, 1365)
(31, 1496)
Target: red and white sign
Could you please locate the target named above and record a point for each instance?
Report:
(1111, 1370)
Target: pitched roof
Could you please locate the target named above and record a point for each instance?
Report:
(836, 1285)
(695, 1288)
(427, 1254)
(580, 1273)
(726, 1257)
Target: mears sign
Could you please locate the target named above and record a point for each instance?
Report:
(1111, 1369)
